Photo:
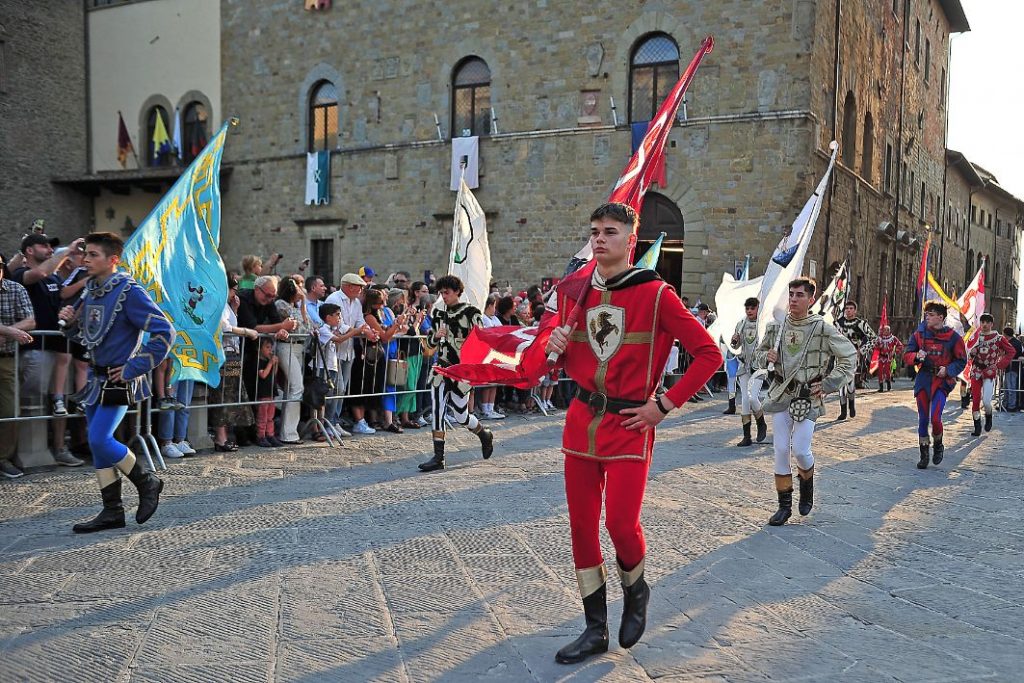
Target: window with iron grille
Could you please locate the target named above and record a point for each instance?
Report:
(152, 156)
(653, 70)
(322, 256)
(471, 98)
(323, 117)
(194, 132)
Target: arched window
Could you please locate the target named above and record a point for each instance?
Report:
(653, 70)
(980, 261)
(850, 130)
(970, 260)
(323, 117)
(193, 131)
(154, 155)
(867, 152)
(471, 98)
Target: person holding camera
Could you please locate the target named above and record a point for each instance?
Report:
(111, 321)
(16, 321)
(796, 354)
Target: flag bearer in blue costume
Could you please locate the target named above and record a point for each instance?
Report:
(110, 320)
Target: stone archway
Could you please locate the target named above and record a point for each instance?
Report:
(660, 214)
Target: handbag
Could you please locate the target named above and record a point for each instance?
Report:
(318, 387)
(115, 394)
(372, 353)
(398, 373)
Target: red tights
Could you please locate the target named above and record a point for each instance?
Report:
(623, 483)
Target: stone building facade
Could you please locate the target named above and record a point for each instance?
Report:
(750, 146)
(42, 121)
(553, 92)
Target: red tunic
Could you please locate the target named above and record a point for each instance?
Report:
(888, 348)
(991, 353)
(619, 348)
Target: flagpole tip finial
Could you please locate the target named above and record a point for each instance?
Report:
(234, 120)
(833, 146)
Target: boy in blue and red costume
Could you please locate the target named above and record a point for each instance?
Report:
(630, 319)
(942, 356)
(110, 320)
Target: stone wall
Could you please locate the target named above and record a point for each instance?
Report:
(42, 118)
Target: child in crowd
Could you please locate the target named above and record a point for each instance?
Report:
(265, 395)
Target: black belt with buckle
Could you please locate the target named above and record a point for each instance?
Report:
(600, 403)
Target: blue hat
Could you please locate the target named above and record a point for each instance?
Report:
(367, 271)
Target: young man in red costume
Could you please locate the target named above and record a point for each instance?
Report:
(630, 319)
(941, 355)
(990, 354)
(889, 347)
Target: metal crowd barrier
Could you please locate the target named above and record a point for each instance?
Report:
(31, 402)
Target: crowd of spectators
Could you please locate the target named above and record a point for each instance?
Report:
(366, 339)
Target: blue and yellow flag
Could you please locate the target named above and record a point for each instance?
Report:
(161, 143)
(174, 255)
(650, 258)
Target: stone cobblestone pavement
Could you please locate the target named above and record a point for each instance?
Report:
(347, 564)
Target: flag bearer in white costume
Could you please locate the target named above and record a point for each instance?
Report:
(745, 338)
(797, 353)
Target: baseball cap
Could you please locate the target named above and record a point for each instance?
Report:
(703, 307)
(367, 271)
(33, 239)
(352, 279)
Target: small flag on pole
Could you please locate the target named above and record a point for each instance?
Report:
(124, 142)
(161, 143)
(177, 134)
(650, 258)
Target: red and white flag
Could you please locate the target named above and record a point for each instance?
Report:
(972, 305)
(508, 355)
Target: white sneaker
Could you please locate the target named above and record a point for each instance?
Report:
(339, 430)
(421, 421)
(550, 406)
(171, 451)
(64, 457)
(185, 447)
(59, 409)
(494, 415)
(362, 428)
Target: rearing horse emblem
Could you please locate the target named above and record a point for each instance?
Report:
(604, 330)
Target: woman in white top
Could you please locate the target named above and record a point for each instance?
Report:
(290, 303)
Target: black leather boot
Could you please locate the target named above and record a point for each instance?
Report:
(635, 597)
(806, 478)
(762, 428)
(965, 400)
(731, 410)
(746, 433)
(149, 486)
(853, 406)
(881, 387)
(923, 462)
(112, 515)
(988, 422)
(937, 450)
(486, 441)
(842, 411)
(594, 639)
(888, 385)
(977, 425)
(785, 511)
(437, 462)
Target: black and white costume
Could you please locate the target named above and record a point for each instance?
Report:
(450, 328)
(862, 336)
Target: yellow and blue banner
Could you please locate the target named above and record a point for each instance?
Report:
(174, 255)
(650, 258)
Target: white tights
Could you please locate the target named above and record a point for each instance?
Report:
(750, 393)
(788, 434)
